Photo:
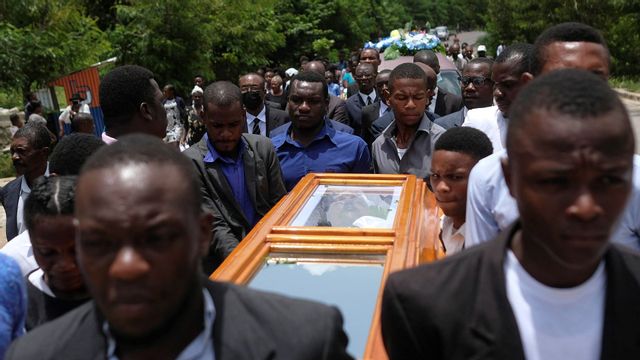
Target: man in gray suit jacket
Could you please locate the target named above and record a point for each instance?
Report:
(141, 231)
(477, 91)
(239, 173)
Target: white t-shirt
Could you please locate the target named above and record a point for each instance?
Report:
(556, 323)
(452, 238)
(401, 153)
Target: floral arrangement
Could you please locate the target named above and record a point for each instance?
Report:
(400, 43)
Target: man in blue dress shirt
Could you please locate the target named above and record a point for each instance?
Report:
(309, 144)
(239, 173)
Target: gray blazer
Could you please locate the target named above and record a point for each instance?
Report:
(452, 120)
(249, 324)
(417, 159)
(264, 184)
(9, 196)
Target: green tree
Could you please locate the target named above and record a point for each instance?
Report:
(45, 39)
(169, 37)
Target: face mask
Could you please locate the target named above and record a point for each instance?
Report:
(251, 99)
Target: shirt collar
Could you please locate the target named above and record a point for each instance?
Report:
(212, 155)
(327, 131)
(108, 139)
(195, 349)
(262, 116)
(425, 126)
(383, 108)
(24, 187)
(373, 96)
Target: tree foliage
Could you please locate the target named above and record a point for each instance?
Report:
(619, 20)
(43, 39)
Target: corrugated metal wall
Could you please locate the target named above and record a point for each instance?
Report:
(86, 83)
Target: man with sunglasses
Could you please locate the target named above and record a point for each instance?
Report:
(510, 72)
(477, 91)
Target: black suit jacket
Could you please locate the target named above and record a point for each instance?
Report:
(337, 110)
(275, 118)
(248, 325)
(9, 196)
(354, 109)
(447, 103)
(452, 120)
(457, 308)
(264, 184)
(370, 113)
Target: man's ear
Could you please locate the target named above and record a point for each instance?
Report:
(145, 111)
(526, 77)
(506, 172)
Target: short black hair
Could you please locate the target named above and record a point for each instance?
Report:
(222, 93)
(483, 61)
(79, 119)
(427, 57)
(71, 153)
(122, 91)
(520, 53)
(466, 140)
(14, 118)
(565, 32)
(407, 71)
(50, 196)
(142, 149)
(37, 134)
(576, 93)
(313, 77)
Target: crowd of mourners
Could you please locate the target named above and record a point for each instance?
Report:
(533, 168)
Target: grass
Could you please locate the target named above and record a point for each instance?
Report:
(626, 82)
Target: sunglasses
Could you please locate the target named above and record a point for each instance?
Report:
(476, 80)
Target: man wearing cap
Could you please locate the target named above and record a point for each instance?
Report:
(482, 51)
(76, 106)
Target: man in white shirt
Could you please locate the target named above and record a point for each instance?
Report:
(510, 72)
(552, 286)
(491, 207)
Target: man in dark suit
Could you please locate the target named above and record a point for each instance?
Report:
(477, 91)
(371, 113)
(141, 232)
(365, 76)
(240, 172)
(551, 286)
(29, 151)
(445, 103)
(337, 108)
(261, 119)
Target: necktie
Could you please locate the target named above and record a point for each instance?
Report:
(256, 126)
(368, 100)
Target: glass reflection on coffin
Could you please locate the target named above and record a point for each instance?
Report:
(350, 206)
(349, 282)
